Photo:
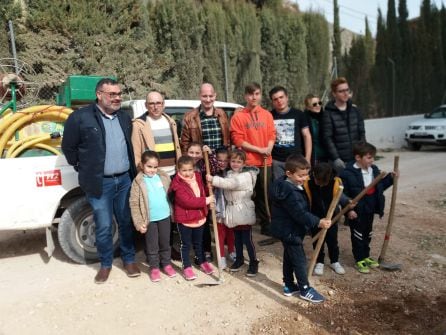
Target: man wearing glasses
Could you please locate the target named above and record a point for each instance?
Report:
(97, 143)
(155, 130)
(342, 125)
(292, 131)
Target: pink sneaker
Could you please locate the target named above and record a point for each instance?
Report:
(155, 275)
(189, 273)
(169, 271)
(207, 268)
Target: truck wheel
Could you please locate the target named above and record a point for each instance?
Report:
(414, 146)
(76, 232)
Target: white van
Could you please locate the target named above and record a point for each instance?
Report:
(175, 108)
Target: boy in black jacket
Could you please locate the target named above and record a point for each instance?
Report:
(356, 176)
(290, 221)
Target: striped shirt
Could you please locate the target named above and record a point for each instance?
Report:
(164, 146)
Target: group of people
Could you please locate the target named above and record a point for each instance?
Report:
(147, 175)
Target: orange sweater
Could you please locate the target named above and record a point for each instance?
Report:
(256, 127)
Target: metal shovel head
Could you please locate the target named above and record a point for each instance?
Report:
(211, 283)
(390, 266)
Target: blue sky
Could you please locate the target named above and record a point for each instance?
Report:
(353, 12)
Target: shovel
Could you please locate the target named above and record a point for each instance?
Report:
(214, 225)
(382, 264)
(271, 240)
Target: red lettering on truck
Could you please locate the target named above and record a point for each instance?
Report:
(48, 178)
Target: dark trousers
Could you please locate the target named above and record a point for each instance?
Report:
(259, 199)
(244, 237)
(331, 239)
(207, 240)
(157, 243)
(361, 231)
(294, 262)
(191, 237)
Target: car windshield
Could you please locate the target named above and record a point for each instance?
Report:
(438, 114)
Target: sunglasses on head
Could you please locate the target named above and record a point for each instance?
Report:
(314, 104)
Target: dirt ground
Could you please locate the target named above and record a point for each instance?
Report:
(54, 296)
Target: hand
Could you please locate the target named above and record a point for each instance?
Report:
(142, 229)
(206, 149)
(324, 223)
(209, 178)
(338, 164)
(395, 173)
(210, 200)
(352, 215)
(352, 204)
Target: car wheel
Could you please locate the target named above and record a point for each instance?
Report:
(76, 232)
(414, 146)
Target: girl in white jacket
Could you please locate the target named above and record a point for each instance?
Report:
(240, 215)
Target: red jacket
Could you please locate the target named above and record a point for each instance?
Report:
(187, 208)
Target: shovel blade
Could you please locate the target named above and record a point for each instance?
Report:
(390, 266)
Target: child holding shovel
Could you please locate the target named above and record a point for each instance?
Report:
(356, 176)
(239, 212)
(291, 219)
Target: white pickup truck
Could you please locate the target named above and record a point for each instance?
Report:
(43, 192)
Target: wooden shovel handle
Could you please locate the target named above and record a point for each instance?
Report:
(323, 232)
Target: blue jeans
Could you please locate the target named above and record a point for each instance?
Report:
(114, 200)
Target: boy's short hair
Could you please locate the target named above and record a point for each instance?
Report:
(237, 153)
(222, 151)
(277, 89)
(148, 154)
(323, 172)
(252, 87)
(363, 148)
(184, 160)
(194, 144)
(296, 162)
(336, 82)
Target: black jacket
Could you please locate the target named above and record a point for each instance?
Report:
(341, 130)
(354, 184)
(83, 145)
(290, 213)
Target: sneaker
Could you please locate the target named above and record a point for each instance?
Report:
(237, 265)
(189, 273)
(206, 268)
(362, 267)
(371, 263)
(310, 294)
(223, 265)
(232, 256)
(169, 271)
(290, 290)
(155, 275)
(338, 268)
(253, 268)
(319, 269)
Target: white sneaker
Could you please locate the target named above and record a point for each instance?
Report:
(338, 268)
(223, 265)
(319, 269)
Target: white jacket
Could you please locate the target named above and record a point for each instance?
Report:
(238, 189)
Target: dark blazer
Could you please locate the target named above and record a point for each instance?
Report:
(83, 144)
(341, 130)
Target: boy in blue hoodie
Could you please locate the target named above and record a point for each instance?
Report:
(291, 219)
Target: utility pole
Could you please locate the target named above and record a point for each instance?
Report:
(393, 84)
(225, 65)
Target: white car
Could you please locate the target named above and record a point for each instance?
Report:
(428, 131)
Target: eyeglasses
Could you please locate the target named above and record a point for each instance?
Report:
(314, 104)
(113, 95)
(156, 103)
(345, 90)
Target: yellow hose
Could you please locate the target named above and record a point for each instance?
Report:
(28, 144)
(26, 119)
(48, 148)
(16, 144)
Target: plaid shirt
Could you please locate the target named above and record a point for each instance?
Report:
(211, 131)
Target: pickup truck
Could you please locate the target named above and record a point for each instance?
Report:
(43, 192)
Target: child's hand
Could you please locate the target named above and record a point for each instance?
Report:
(210, 200)
(352, 215)
(395, 173)
(142, 229)
(352, 204)
(209, 178)
(324, 223)
(206, 149)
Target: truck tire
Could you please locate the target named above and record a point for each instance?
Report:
(76, 232)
